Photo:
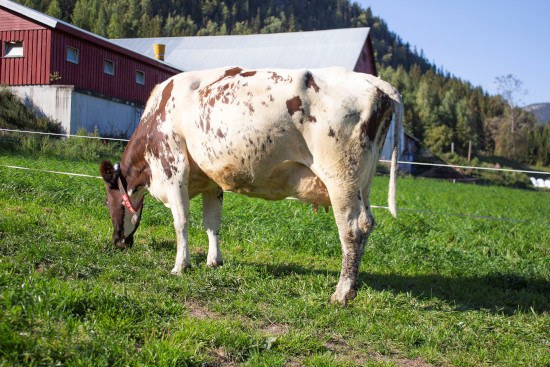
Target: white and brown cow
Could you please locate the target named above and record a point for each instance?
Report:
(314, 135)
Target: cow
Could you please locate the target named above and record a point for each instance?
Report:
(315, 135)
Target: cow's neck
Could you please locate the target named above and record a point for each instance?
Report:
(133, 165)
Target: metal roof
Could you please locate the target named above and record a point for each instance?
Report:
(293, 50)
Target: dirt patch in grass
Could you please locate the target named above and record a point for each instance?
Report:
(344, 352)
(401, 361)
(199, 311)
(275, 329)
(220, 358)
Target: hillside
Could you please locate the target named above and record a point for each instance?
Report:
(541, 112)
(440, 108)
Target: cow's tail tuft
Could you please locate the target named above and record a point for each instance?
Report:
(397, 130)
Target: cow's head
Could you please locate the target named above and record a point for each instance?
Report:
(125, 207)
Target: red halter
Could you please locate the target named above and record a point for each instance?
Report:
(126, 198)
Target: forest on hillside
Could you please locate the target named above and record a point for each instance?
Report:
(440, 108)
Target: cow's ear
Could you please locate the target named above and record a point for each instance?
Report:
(108, 173)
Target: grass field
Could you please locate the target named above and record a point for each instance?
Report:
(434, 289)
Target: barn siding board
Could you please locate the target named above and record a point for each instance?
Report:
(38, 60)
(28, 63)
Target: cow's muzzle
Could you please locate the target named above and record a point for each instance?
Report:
(125, 243)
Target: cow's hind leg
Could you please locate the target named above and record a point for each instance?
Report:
(179, 204)
(212, 217)
(355, 223)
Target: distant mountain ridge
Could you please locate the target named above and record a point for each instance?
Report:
(541, 112)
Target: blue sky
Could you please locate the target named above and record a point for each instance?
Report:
(478, 40)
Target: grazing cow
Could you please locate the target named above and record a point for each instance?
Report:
(314, 135)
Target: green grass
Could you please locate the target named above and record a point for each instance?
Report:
(434, 289)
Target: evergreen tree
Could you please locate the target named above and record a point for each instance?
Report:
(54, 9)
(439, 108)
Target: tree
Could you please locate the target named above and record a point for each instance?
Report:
(439, 138)
(80, 14)
(54, 10)
(511, 90)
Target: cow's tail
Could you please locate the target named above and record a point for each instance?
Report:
(397, 131)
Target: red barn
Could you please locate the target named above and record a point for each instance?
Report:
(76, 77)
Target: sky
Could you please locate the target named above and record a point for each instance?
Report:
(477, 40)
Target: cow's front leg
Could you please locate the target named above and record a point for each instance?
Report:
(355, 223)
(212, 217)
(179, 205)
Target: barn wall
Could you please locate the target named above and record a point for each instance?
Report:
(12, 22)
(365, 62)
(45, 62)
(109, 117)
(34, 66)
(89, 72)
(77, 109)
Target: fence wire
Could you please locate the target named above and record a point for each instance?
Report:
(381, 160)
(291, 198)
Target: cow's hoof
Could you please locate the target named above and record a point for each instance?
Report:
(179, 272)
(214, 263)
(343, 297)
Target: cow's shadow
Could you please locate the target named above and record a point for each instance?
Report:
(496, 293)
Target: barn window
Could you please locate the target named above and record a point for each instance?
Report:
(109, 67)
(140, 77)
(13, 49)
(72, 55)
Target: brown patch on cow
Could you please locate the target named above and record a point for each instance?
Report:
(276, 77)
(166, 94)
(246, 74)
(311, 119)
(294, 105)
(207, 90)
(220, 134)
(158, 147)
(271, 99)
(232, 72)
(378, 115)
(250, 107)
(310, 82)
(331, 133)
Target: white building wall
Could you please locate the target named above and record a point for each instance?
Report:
(107, 116)
(76, 109)
(47, 101)
(387, 150)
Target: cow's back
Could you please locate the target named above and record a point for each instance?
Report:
(255, 131)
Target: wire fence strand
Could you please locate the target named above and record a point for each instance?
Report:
(373, 206)
(468, 167)
(65, 135)
(381, 160)
(291, 198)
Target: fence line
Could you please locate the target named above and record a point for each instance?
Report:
(64, 135)
(468, 167)
(291, 198)
(381, 160)
(46, 171)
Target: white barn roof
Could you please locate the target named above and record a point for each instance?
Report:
(294, 50)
